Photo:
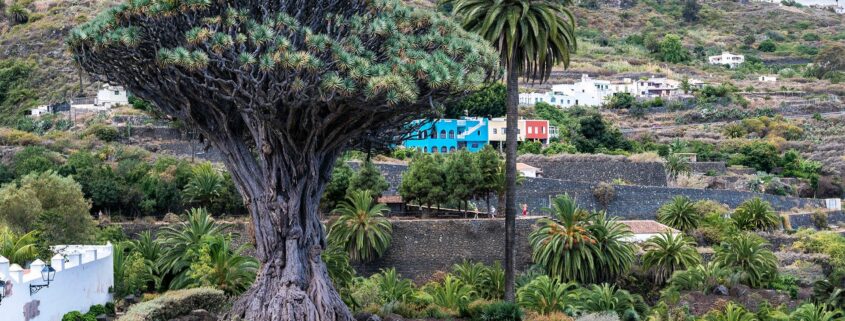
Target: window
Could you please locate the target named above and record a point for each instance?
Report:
(425, 149)
(434, 149)
(553, 99)
(452, 149)
(421, 135)
(494, 131)
(530, 130)
(451, 134)
(478, 133)
(443, 149)
(474, 145)
(116, 93)
(543, 130)
(442, 134)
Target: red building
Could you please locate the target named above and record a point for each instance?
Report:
(535, 130)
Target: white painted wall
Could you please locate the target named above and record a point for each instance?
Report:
(110, 96)
(84, 275)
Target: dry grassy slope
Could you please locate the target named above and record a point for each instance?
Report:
(42, 42)
(723, 25)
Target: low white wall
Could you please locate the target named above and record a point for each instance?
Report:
(84, 275)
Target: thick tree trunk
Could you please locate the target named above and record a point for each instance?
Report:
(293, 283)
(510, 178)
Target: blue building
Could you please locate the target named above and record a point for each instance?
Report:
(449, 135)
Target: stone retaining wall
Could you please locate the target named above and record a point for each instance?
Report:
(631, 202)
(420, 248)
(602, 169)
(718, 168)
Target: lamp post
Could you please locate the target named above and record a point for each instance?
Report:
(47, 274)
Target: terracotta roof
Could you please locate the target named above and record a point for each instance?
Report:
(390, 199)
(524, 166)
(647, 226)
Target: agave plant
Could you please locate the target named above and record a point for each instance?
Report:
(452, 294)
(750, 257)
(392, 287)
(605, 298)
(667, 253)
(702, 277)
(813, 312)
(361, 227)
(733, 312)
(680, 213)
(545, 295)
(18, 248)
(754, 215)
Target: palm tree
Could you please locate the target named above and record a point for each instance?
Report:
(546, 295)
(205, 187)
(361, 228)
(532, 37)
(181, 243)
(150, 249)
(614, 254)
(575, 245)
(680, 213)
(669, 252)
(563, 244)
(676, 165)
(755, 214)
(750, 257)
(223, 268)
(18, 248)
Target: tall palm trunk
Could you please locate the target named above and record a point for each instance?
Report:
(510, 178)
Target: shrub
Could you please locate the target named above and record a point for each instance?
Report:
(754, 215)
(103, 132)
(672, 50)
(700, 278)
(452, 294)
(554, 316)
(820, 220)
(10, 136)
(500, 311)
(604, 193)
(545, 296)
(173, 304)
(767, 46)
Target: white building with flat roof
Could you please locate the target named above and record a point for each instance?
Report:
(109, 96)
(587, 92)
(728, 59)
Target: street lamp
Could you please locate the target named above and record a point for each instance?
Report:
(47, 274)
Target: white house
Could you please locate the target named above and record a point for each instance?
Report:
(727, 58)
(109, 96)
(587, 92)
(82, 277)
(767, 78)
(528, 170)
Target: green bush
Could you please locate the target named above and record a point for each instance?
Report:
(500, 311)
(767, 46)
(103, 132)
(177, 303)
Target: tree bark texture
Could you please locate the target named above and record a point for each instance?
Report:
(510, 178)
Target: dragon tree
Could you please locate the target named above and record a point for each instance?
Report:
(281, 88)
